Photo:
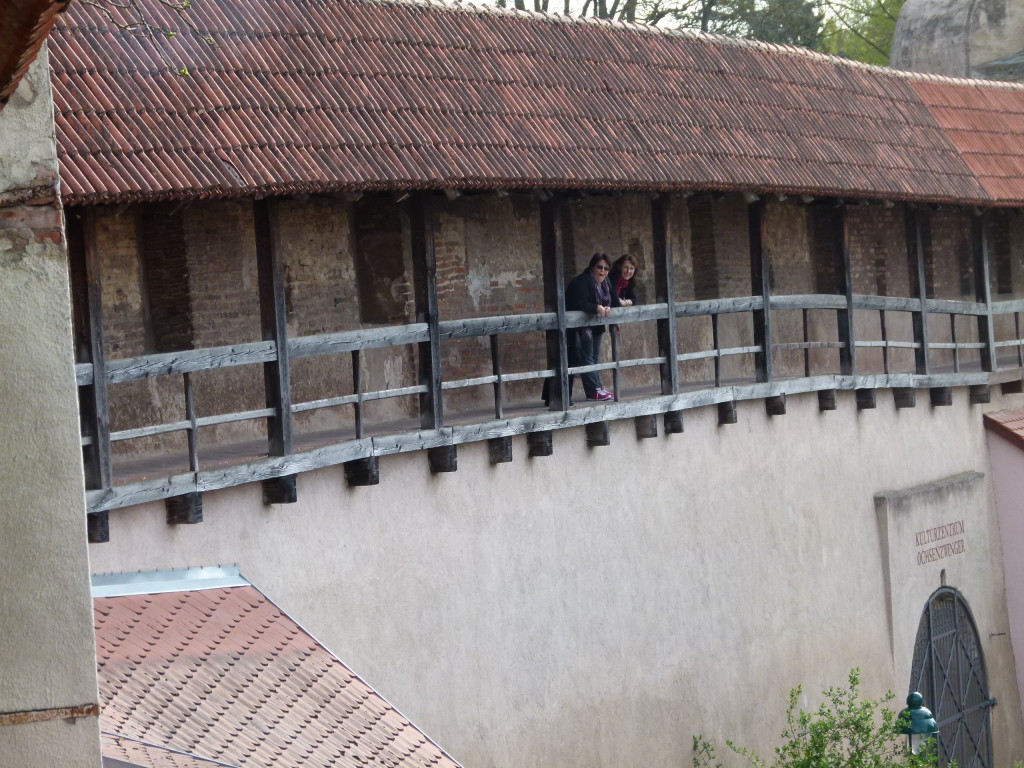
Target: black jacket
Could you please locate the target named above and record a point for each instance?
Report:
(581, 294)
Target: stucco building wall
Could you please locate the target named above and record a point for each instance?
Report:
(47, 655)
(598, 607)
(1008, 481)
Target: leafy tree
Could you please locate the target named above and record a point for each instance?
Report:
(844, 732)
(860, 29)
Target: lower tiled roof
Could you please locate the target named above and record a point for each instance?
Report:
(322, 95)
(223, 675)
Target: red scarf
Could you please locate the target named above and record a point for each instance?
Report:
(621, 284)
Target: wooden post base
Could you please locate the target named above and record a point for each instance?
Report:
(980, 394)
(674, 423)
(776, 405)
(444, 458)
(597, 434)
(827, 400)
(499, 450)
(904, 397)
(540, 443)
(865, 399)
(185, 510)
(281, 490)
(646, 426)
(362, 471)
(941, 396)
(98, 525)
(727, 412)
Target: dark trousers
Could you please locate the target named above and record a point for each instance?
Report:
(585, 349)
(583, 346)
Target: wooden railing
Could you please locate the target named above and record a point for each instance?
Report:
(430, 334)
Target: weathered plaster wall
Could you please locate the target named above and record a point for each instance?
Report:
(600, 606)
(47, 654)
(1008, 481)
(953, 37)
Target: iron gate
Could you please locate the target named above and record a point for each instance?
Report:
(949, 671)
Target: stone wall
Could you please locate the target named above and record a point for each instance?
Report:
(48, 654)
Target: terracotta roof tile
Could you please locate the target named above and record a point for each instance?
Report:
(304, 96)
(24, 25)
(222, 675)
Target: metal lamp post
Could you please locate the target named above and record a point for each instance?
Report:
(919, 722)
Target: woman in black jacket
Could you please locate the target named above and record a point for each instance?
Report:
(592, 292)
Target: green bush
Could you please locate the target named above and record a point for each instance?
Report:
(844, 732)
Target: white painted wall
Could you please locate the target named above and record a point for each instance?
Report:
(47, 652)
(600, 606)
(1008, 479)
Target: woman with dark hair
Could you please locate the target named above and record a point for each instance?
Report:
(623, 279)
(592, 292)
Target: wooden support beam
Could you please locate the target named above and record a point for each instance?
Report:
(273, 323)
(865, 399)
(1012, 387)
(280, 490)
(727, 412)
(941, 396)
(553, 268)
(919, 286)
(827, 400)
(904, 397)
(443, 458)
(360, 472)
(760, 286)
(664, 289)
(424, 267)
(983, 289)
(184, 510)
(597, 434)
(845, 316)
(673, 422)
(98, 527)
(980, 394)
(646, 426)
(499, 450)
(540, 443)
(776, 405)
(87, 306)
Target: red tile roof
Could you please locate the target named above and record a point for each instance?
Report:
(986, 124)
(24, 25)
(308, 96)
(223, 675)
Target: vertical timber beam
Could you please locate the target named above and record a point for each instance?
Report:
(553, 262)
(759, 286)
(845, 317)
(665, 293)
(919, 286)
(664, 289)
(424, 268)
(983, 290)
(87, 289)
(273, 323)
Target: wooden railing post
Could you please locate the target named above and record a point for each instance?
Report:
(845, 317)
(983, 290)
(760, 286)
(273, 322)
(424, 267)
(87, 290)
(919, 288)
(664, 289)
(553, 263)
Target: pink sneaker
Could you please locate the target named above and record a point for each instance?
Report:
(602, 394)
